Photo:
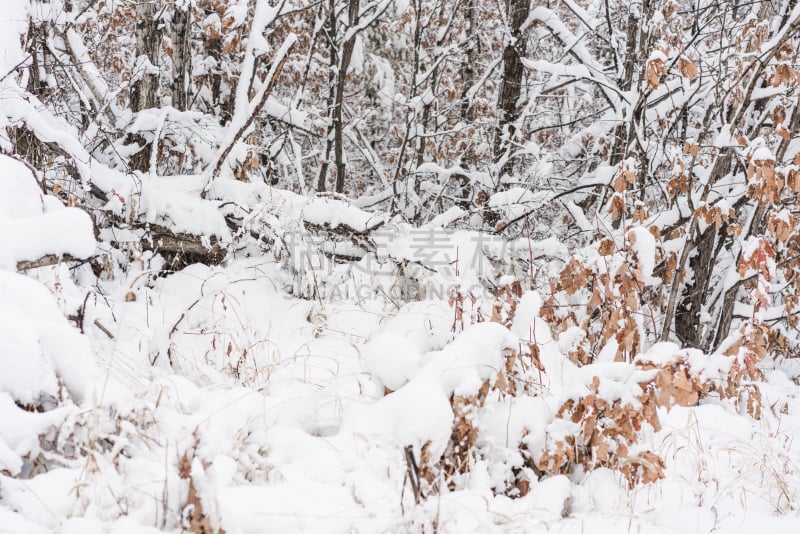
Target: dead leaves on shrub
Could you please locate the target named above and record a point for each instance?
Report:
(193, 519)
(597, 431)
(607, 430)
(674, 384)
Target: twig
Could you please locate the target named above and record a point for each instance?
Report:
(503, 225)
(103, 329)
(413, 473)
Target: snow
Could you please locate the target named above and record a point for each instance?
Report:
(27, 232)
(658, 55)
(304, 439)
(67, 231)
(39, 348)
(762, 153)
(28, 373)
(333, 213)
(573, 43)
(163, 201)
(387, 357)
(448, 217)
(23, 198)
(644, 245)
(549, 497)
(12, 26)
(292, 388)
(18, 106)
(518, 200)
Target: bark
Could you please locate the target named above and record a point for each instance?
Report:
(687, 315)
(337, 79)
(182, 249)
(181, 57)
(338, 124)
(37, 49)
(636, 48)
(466, 111)
(721, 167)
(511, 81)
(468, 70)
(144, 88)
(44, 261)
(222, 104)
(333, 48)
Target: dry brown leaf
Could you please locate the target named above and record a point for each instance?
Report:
(574, 276)
(691, 148)
(607, 247)
(617, 207)
(655, 68)
(687, 68)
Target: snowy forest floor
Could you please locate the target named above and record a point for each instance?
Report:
(264, 412)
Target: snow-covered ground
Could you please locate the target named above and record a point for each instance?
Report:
(214, 398)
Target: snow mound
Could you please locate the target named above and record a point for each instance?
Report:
(38, 348)
(27, 232)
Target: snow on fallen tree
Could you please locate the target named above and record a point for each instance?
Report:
(35, 230)
(337, 215)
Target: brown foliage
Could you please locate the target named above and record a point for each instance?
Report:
(607, 432)
(192, 516)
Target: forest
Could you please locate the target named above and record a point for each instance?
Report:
(399, 266)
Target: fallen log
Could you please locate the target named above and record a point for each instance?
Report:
(44, 261)
(182, 248)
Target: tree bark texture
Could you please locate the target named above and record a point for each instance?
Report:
(511, 81)
(181, 57)
(145, 75)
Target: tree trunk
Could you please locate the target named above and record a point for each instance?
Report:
(687, 314)
(636, 48)
(344, 65)
(181, 57)
(511, 82)
(144, 89)
(468, 70)
(145, 75)
(332, 86)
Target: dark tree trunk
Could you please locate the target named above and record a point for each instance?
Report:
(222, 104)
(144, 90)
(344, 65)
(511, 82)
(636, 48)
(339, 65)
(687, 315)
(181, 57)
(468, 70)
